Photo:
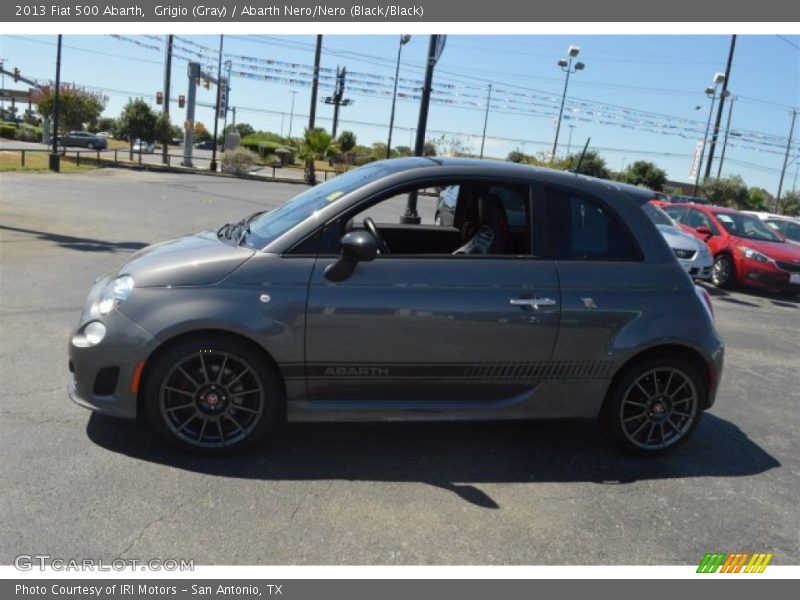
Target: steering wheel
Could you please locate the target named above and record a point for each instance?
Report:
(370, 225)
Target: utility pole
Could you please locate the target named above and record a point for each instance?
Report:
(167, 84)
(291, 114)
(569, 141)
(785, 163)
(55, 159)
(312, 111)
(193, 72)
(724, 94)
(486, 117)
(216, 107)
(725, 140)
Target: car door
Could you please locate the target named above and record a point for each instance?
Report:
(697, 218)
(432, 328)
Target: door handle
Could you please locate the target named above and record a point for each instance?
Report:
(532, 302)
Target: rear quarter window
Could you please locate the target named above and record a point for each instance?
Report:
(582, 228)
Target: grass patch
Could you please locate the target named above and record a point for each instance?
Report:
(39, 162)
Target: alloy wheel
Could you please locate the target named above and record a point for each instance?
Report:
(211, 399)
(658, 408)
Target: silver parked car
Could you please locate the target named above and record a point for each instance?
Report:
(339, 305)
(691, 252)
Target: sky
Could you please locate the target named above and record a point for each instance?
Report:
(640, 97)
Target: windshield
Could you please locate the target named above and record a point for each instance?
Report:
(657, 216)
(271, 225)
(746, 226)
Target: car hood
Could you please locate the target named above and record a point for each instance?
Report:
(680, 240)
(198, 259)
(776, 250)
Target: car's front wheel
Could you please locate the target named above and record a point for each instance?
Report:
(722, 273)
(213, 395)
(655, 405)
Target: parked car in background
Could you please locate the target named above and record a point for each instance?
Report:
(207, 145)
(144, 147)
(103, 134)
(691, 252)
(316, 311)
(687, 200)
(788, 227)
(84, 139)
(745, 250)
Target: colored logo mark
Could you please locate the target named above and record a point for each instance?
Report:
(735, 562)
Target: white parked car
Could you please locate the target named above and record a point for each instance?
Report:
(691, 252)
(788, 227)
(144, 147)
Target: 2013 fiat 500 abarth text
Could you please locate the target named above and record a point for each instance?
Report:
(550, 295)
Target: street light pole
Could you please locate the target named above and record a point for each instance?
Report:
(724, 94)
(404, 39)
(566, 66)
(711, 92)
(167, 84)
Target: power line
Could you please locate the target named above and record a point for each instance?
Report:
(788, 41)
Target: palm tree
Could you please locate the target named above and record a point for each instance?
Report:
(317, 144)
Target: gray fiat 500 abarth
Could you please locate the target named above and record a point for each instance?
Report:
(548, 295)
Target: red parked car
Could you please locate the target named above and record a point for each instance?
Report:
(745, 250)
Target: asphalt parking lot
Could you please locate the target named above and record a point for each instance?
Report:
(77, 485)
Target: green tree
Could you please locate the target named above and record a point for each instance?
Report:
(516, 156)
(164, 130)
(317, 144)
(107, 124)
(77, 106)
(645, 173)
(402, 151)
(728, 191)
(429, 148)
(757, 199)
(137, 121)
(346, 141)
(592, 164)
(790, 203)
(378, 150)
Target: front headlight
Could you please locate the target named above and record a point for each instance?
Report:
(114, 294)
(755, 255)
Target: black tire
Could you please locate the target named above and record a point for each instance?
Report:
(222, 381)
(723, 273)
(671, 382)
(90, 145)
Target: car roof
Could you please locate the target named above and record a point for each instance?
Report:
(512, 170)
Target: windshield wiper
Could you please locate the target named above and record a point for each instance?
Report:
(242, 228)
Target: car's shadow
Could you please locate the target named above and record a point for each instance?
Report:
(451, 455)
(783, 300)
(78, 243)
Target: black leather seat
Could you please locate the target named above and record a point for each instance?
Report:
(493, 235)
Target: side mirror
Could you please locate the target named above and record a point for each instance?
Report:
(704, 231)
(357, 246)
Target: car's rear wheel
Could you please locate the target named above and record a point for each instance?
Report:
(655, 406)
(722, 273)
(213, 395)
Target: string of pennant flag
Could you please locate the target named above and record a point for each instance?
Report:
(456, 95)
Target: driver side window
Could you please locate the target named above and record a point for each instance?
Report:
(455, 219)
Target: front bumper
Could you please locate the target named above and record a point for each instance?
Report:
(767, 276)
(103, 375)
